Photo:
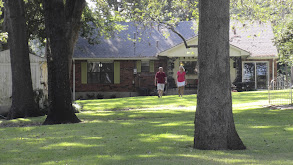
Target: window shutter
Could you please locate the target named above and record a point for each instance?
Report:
(116, 72)
(83, 72)
(152, 66)
(138, 66)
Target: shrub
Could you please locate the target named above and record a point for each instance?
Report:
(90, 96)
(100, 96)
(112, 96)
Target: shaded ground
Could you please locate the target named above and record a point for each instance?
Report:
(281, 107)
(3, 125)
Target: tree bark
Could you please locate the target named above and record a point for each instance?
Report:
(62, 23)
(23, 103)
(214, 123)
(291, 75)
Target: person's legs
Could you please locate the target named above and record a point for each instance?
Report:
(163, 87)
(179, 88)
(160, 88)
(182, 91)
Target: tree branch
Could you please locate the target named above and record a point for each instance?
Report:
(73, 9)
(185, 43)
(174, 31)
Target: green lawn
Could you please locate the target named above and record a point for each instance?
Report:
(148, 130)
(283, 96)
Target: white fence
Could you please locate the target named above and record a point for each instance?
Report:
(280, 92)
(38, 73)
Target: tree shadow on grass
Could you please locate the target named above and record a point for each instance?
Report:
(148, 136)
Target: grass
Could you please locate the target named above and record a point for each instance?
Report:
(279, 97)
(148, 130)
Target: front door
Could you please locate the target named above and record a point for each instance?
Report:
(261, 75)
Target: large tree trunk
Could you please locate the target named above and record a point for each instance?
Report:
(214, 124)
(62, 26)
(291, 75)
(23, 104)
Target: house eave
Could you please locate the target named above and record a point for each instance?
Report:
(261, 57)
(166, 53)
(135, 58)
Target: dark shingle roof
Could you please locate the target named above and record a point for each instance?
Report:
(255, 38)
(152, 41)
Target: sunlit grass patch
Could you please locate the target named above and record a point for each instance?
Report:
(148, 130)
(137, 102)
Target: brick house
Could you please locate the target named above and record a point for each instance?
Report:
(125, 65)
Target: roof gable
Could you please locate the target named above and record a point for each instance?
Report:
(255, 38)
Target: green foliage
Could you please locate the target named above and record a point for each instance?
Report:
(3, 35)
(35, 20)
(261, 10)
(99, 21)
(154, 135)
(101, 18)
(277, 12)
(1, 6)
(162, 12)
(284, 41)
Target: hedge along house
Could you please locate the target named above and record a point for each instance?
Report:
(126, 64)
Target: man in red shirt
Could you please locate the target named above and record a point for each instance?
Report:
(160, 81)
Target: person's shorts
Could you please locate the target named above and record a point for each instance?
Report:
(160, 86)
(181, 84)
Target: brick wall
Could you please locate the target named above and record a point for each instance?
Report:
(129, 82)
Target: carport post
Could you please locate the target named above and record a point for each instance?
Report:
(73, 78)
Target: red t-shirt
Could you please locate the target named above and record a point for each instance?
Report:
(160, 77)
(180, 76)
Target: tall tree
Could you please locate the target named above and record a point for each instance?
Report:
(214, 124)
(62, 21)
(285, 44)
(23, 104)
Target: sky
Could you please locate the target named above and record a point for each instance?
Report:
(91, 4)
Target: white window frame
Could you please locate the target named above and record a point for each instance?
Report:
(148, 65)
(255, 62)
